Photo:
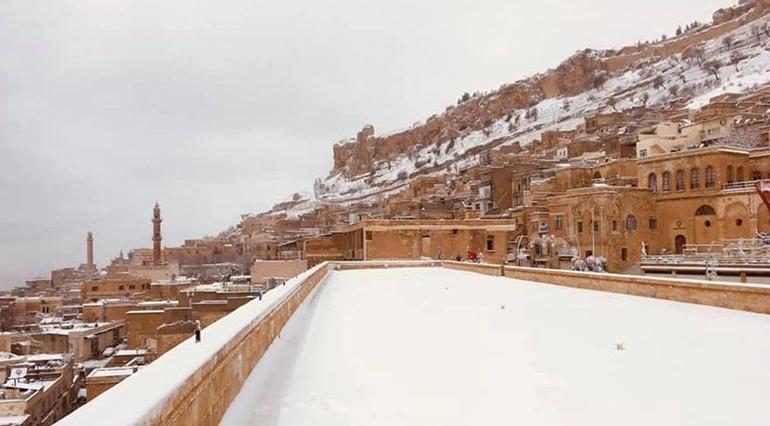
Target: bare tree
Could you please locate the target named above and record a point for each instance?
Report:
(740, 138)
(613, 103)
(736, 58)
(698, 53)
(713, 66)
(645, 97)
(674, 90)
(727, 42)
(658, 82)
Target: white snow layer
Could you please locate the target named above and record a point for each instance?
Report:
(422, 346)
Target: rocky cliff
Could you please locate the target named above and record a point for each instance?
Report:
(585, 72)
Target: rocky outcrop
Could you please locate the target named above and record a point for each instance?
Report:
(581, 72)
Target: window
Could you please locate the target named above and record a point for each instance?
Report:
(666, 181)
(695, 178)
(558, 222)
(705, 210)
(642, 153)
(94, 288)
(653, 224)
(738, 222)
(624, 254)
(711, 177)
(368, 235)
(131, 287)
(596, 227)
(680, 180)
(614, 226)
(454, 232)
(580, 227)
(739, 174)
(652, 182)
(730, 174)
(490, 243)
(631, 223)
(756, 175)
(120, 287)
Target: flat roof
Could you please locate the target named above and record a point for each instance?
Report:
(436, 346)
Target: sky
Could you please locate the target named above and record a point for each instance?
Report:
(215, 109)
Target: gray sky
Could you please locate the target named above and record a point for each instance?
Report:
(224, 107)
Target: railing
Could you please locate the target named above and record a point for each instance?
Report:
(748, 184)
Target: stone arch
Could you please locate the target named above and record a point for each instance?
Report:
(705, 210)
(652, 182)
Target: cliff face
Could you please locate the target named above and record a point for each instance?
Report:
(586, 70)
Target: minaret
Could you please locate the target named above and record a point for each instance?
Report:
(156, 239)
(90, 251)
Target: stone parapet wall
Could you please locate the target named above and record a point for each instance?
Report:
(482, 268)
(193, 384)
(745, 297)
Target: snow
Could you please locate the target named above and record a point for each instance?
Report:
(627, 88)
(152, 385)
(112, 372)
(420, 346)
(14, 420)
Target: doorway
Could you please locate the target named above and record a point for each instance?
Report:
(679, 243)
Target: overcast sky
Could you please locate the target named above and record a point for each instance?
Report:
(220, 108)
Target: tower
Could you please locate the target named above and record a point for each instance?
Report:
(90, 251)
(156, 238)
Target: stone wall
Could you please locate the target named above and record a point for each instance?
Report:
(751, 298)
(481, 268)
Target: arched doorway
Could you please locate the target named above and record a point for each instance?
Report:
(679, 243)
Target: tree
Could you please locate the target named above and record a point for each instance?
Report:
(645, 97)
(679, 31)
(727, 42)
(464, 98)
(658, 82)
(674, 90)
(698, 53)
(735, 59)
(713, 66)
(613, 103)
(740, 138)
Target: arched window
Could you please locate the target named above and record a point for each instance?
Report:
(631, 223)
(680, 180)
(666, 181)
(652, 182)
(711, 177)
(705, 210)
(695, 178)
(730, 175)
(739, 174)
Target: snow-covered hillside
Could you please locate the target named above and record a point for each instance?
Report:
(736, 62)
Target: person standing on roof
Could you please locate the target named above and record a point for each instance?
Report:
(197, 331)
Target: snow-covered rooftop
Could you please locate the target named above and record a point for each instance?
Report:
(424, 346)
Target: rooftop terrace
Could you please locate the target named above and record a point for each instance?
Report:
(436, 346)
(423, 345)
